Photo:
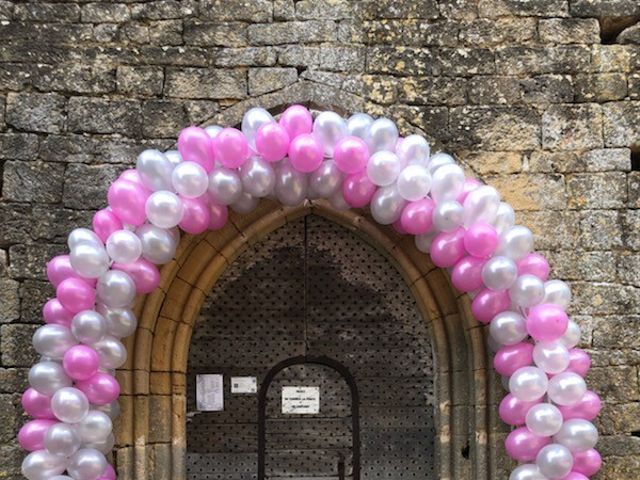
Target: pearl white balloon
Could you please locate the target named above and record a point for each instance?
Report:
(69, 405)
(544, 419)
(508, 328)
(326, 180)
(82, 235)
(571, 337)
(358, 125)
(42, 465)
(158, 244)
(155, 170)
(329, 128)
(414, 182)
(499, 273)
(173, 156)
(554, 461)
(246, 203)
(382, 136)
(104, 446)
(557, 292)
(552, 357)
(48, 377)
(120, 322)
(116, 289)
(62, 439)
(528, 471)
(291, 185)
(438, 160)
(383, 168)
(516, 242)
(225, 186)
(189, 179)
(414, 150)
(89, 260)
(258, 177)
(423, 241)
(87, 464)
(88, 327)
(124, 246)
(505, 218)
(447, 183)
(94, 427)
(112, 409)
(338, 202)
(578, 435)
(386, 205)
(53, 341)
(252, 120)
(164, 209)
(213, 130)
(527, 291)
(447, 216)
(528, 384)
(567, 388)
(112, 352)
(481, 205)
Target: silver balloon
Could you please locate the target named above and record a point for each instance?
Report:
(386, 205)
(326, 180)
(116, 289)
(358, 125)
(383, 168)
(481, 205)
(447, 216)
(544, 419)
(382, 136)
(88, 327)
(577, 435)
(528, 384)
(158, 244)
(527, 291)
(62, 439)
(291, 185)
(447, 183)
(516, 242)
(112, 409)
(423, 241)
(499, 273)
(173, 156)
(571, 337)
(48, 377)
(414, 181)
(554, 461)
(82, 235)
(505, 218)
(89, 260)
(87, 464)
(567, 388)
(123, 246)
(213, 130)
(61, 477)
(155, 170)
(96, 426)
(189, 179)
(508, 328)
(552, 357)
(438, 160)
(329, 128)
(557, 292)
(53, 341)
(338, 202)
(245, 204)
(252, 120)
(528, 471)
(69, 405)
(225, 186)
(42, 465)
(120, 322)
(258, 177)
(104, 446)
(112, 352)
(164, 209)
(414, 150)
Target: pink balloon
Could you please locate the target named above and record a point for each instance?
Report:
(54, 312)
(219, 215)
(100, 389)
(488, 303)
(534, 264)
(397, 226)
(81, 362)
(272, 142)
(296, 120)
(523, 445)
(547, 322)
(132, 175)
(108, 474)
(481, 240)
(447, 248)
(144, 274)
(351, 155)
(587, 408)
(466, 275)
(305, 153)
(513, 411)
(512, 357)
(575, 476)
(195, 145)
(105, 222)
(36, 404)
(357, 190)
(416, 216)
(59, 268)
(31, 435)
(127, 200)
(587, 463)
(579, 362)
(75, 295)
(469, 185)
(231, 147)
(196, 216)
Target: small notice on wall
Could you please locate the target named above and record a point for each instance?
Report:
(301, 400)
(209, 393)
(244, 385)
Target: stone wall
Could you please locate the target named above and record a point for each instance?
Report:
(529, 94)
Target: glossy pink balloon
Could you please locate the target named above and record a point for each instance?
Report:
(357, 190)
(512, 357)
(195, 145)
(447, 248)
(513, 411)
(31, 435)
(534, 264)
(127, 200)
(54, 312)
(481, 240)
(81, 362)
(588, 408)
(469, 185)
(144, 274)
(296, 120)
(305, 153)
(100, 389)
(231, 147)
(467, 274)
(132, 175)
(272, 142)
(547, 322)
(416, 216)
(75, 295)
(36, 404)
(196, 216)
(587, 463)
(488, 303)
(59, 268)
(522, 445)
(105, 222)
(575, 476)
(108, 474)
(579, 362)
(351, 155)
(397, 226)
(219, 215)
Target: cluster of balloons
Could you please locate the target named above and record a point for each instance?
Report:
(354, 162)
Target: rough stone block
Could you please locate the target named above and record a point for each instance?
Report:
(531, 191)
(291, 32)
(10, 305)
(163, 9)
(494, 163)
(212, 34)
(13, 380)
(15, 76)
(576, 265)
(630, 221)
(85, 186)
(376, 9)
(600, 8)
(99, 115)
(284, 10)
(263, 80)
(421, 33)
(94, 77)
(486, 90)
(524, 60)
(105, 13)
(629, 268)
(547, 89)
(8, 419)
(611, 58)
(601, 229)
(379, 89)
(32, 181)
(342, 58)
(615, 384)
(163, 118)
(487, 32)
(569, 30)
(400, 61)
(570, 127)
(18, 146)
(324, 9)
(165, 32)
(433, 90)
(630, 35)
(205, 83)
(15, 346)
(47, 12)
(35, 294)
(620, 125)
(634, 190)
(245, 57)
(597, 190)
(36, 112)
(524, 8)
(29, 260)
(243, 10)
(140, 80)
(299, 56)
(608, 159)
(602, 87)
(634, 86)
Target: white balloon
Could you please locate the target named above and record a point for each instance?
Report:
(116, 289)
(329, 128)
(189, 179)
(258, 177)
(414, 182)
(578, 435)
(213, 130)
(447, 183)
(112, 409)
(338, 202)
(567, 388)
(105, 446)
(505, 218)
(414, 150)
(252, 120)
(291, 185)
(95, 427)
(423, 241)
(544, 419)
(358, 125)
(48, 377)
(155, 170)
(528, 384)
(382, 136)
(124, 246)
(158, 244)
(53, 341)
(499, 273)
(326, 180)
(62, 439)
(246, 203)
(173, 156)
(386, 205)
(42, 465)
(82, 235)
(552, 357)
(516, 242)
(87, 464)
(88, 327)
(448, 215)
(557, 292)
(225, 186)
(508, 328)
(527, 291)
(571, 337)
(89, 260)
(481, 205)
(69, 405)
(554, 461)
(383, 168)
(438, 160)
(528, 471)
(112, 352)
(120, 322)
(164, 209)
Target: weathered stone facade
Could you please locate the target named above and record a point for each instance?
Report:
(525, 92)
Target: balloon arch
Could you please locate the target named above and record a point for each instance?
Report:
(356, 162)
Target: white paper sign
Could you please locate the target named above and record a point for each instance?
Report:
(301, 400)
(209, 393)
(244, 385)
